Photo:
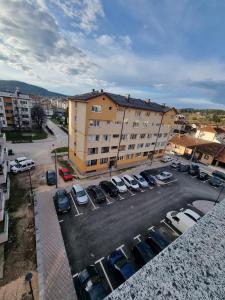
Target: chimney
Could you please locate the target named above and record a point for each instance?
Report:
(127, 97)
(102, 91)
(93, 90)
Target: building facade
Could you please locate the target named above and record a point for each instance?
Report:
(113, 130)
(15, 109)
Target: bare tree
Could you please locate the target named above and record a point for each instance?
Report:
(38, 116)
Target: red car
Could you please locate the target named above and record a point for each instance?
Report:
(65, 173)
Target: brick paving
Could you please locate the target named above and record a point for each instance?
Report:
(55, 279)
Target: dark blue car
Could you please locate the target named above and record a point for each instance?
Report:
(90, 286)
(120, 263)
(143, 253)
(148, 177)
(62, 201)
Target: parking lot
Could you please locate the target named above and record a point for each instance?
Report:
(91, 232)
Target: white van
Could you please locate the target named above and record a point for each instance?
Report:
(119, 184)
(179, 220)
(23, 166)
(17, 161)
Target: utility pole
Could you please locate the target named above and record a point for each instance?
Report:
(28, 278)
(56, 177)
(31, 187)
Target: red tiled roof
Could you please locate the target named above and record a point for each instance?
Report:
(210, 148)
(186, 140)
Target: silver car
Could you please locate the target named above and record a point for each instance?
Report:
(141, 181)
(79, 194)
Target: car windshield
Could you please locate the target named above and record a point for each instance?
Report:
(51, 175)
(120, 183)
(18, 166)
(63, 199)
(81, 193)
(121, 263)
(133, 182)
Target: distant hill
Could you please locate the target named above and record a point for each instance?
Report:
(11, 85)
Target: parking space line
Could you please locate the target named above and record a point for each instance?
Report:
(95, 207)
(75, 275)
(107, 199)
(142, 191)
(60, 221)
(132, 194)
(103, 269)
(121, 248)
(181, 209)
(163, 221)
(151, 228)
(137, 237)
(121, 198)
(78, 213)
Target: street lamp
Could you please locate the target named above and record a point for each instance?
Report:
(28, 278)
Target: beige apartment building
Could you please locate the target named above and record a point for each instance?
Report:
(106, 129)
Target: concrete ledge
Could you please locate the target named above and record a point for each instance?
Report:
(192, 267)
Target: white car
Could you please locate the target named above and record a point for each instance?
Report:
(131, 183)
(23, 166)
(192, 214)
(17, 161)
(141, 181)
(79, 194)
(119, 184)
(164, 175)
(166, 159)
(179, 220)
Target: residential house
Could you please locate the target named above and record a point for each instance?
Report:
(211, 153)
(183, 144)
(107, 129)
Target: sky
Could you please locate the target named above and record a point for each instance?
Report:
(170, 51)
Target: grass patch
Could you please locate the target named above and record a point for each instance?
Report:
(17, 194)
(28, 136)
(57, 120)
(60, 150)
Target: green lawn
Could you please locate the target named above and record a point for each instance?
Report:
(17, 136)
(60, 150)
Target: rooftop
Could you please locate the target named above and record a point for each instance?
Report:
(210, 148)
(186, 140)
(123, 101)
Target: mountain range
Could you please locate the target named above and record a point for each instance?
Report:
(25, 88)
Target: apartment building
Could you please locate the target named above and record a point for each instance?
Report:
(15, 109)
(106, 129)
(4, 189)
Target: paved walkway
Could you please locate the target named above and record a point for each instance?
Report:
(55, 279)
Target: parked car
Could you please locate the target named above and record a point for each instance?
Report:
(141, 181)
(203, 176)
(175, 164)
(121, 264)
(51, 177)
(219, 174)
(62, 201)
(79, 194)
(183, 168)
(17, 161)
(119, 184)
(148, 177)
(65, 173)
(109, 188)
(143, 253)
(90, 284)
(131, 183)
(157, 241)
(192, 214)
(164, 175)
(179, 220)
(166, 159)
(23, 166)
(96, 193)
(215, 181)
(194, 170)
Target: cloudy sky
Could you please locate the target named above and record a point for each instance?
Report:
(171, 51)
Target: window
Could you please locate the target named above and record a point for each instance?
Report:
(24, 109)
(120, 158)
(122, 148)
(25, 116)
(96, 108)
(105, 149)
(114, 147)
(136, 124)
(145, 154)
(138, 154)
(118, 122)
(92, 151)
(149, 136)
(155, 134)
(103, 161)
(133, 136)
(131, 146)
(108, 122)
(153, 143)
(124, 136)
(137, 113)
(23, 102)
(147, 145)
(160, 135)
(8, 103)
(129, 156)
(94, 123)
(110, 108)
(165, 134)
(91, 162)
(206, 156)
(1, 107)
(115, 136)
(140, 146)
(106, 137)
(147, 113)
(125, 121)
(145, 123)
(119, 109)
(158, 124)
(93, 138)
(163, 143)
(142, 136)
